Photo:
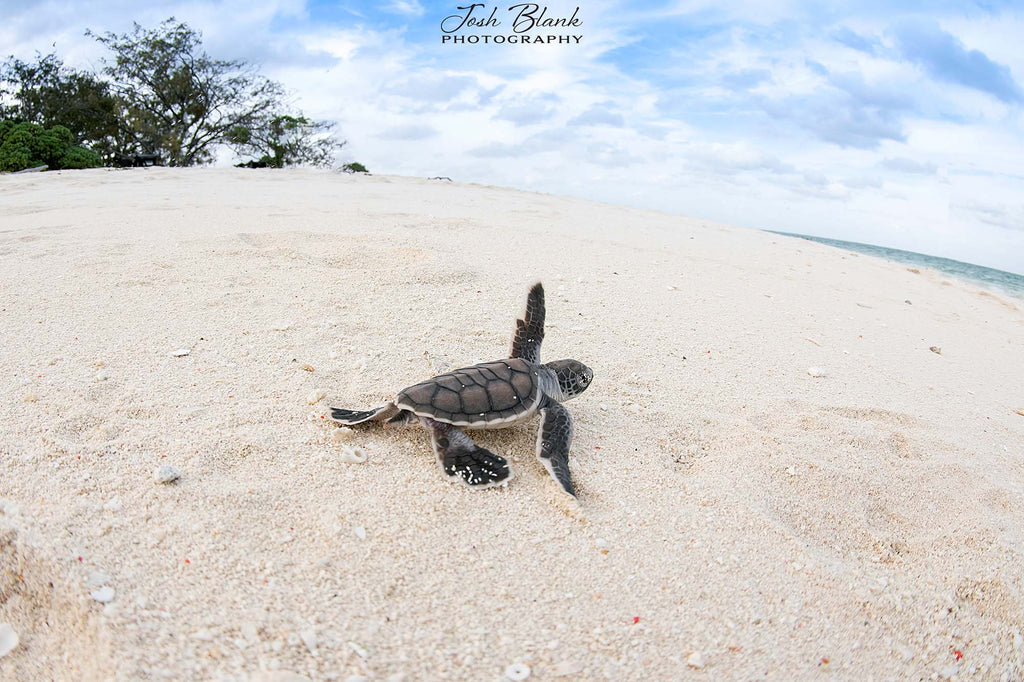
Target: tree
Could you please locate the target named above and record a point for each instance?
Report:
(178, 102)
(27, 145)
(286, 140)
(164, 99)
(48, 93)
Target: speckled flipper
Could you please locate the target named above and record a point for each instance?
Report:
(352, 417)
(530, 327)
(553, 439)
(459, 455)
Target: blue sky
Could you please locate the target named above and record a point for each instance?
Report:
(895, 123)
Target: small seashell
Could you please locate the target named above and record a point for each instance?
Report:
(30, 398)
(307, 368)
(567, 669)
(180, 353)
(314, 397)
(308, 637)
(360, 651)
(343, 434)
(281, 327)
(353, 455)
(360, 532)
(104, 595)
(1020, 411)
(166, 474)
(102, 375)
(517, 671)
(98, 579)
(8, 639)
(695, 660)
(816, 372)
(935, 349)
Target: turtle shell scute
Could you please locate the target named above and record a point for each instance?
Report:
(485, 393)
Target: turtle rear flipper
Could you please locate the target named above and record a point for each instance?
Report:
(553, 440)
(353, 417)
(459, 455)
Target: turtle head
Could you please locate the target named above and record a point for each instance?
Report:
(573, 377)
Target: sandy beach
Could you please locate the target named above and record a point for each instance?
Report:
(793, 461)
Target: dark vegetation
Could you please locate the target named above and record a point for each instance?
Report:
(159, 99)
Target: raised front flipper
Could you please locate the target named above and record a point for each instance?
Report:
(530, 328)
(459, 455)
(553, 440)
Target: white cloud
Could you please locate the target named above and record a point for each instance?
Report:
(407, 7)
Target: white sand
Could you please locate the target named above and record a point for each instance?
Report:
(735, 512)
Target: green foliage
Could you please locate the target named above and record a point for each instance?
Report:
(285, 140)
(27, 145)
(179, 102)
(80, 157)
(160, 96)
(48, 93)
(354, 167)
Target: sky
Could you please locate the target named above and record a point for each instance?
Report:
(896, 123)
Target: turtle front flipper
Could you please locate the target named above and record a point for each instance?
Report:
(553, 440)
(530, 327)
(459, 455)
(353, 417)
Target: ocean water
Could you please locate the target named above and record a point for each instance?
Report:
(989, 278)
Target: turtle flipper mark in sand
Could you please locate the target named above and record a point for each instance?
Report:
(493, 395)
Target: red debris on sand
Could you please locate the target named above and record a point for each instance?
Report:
(636, 619)
(959, 654)
(187, 561)
(597, 447)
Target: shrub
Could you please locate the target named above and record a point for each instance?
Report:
(27, 145)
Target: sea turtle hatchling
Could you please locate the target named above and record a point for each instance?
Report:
(493, 395)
